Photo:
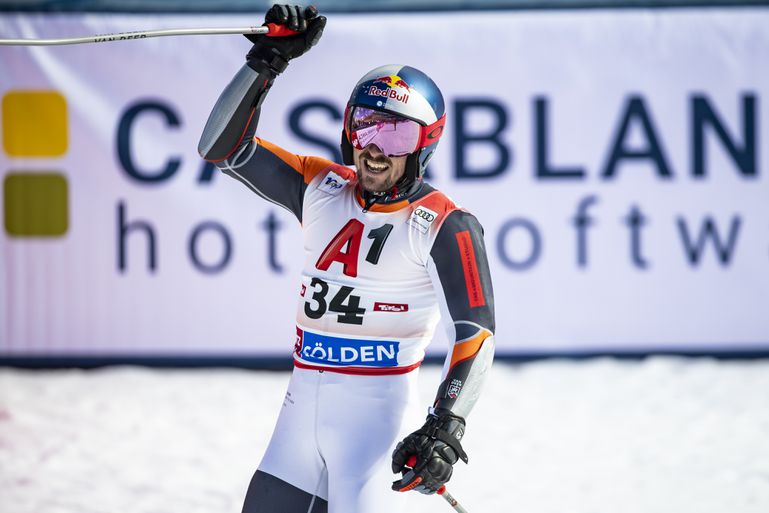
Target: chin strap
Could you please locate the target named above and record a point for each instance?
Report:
(397, 193)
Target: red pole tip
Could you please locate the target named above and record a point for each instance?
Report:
(280, 30)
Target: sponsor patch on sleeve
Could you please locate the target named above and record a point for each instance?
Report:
(332, 183)
(470, 268)
(421, 218)
(454, 388)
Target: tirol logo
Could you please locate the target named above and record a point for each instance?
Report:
(422, 218)
(325, 350)
(391, 307)
(332, 183)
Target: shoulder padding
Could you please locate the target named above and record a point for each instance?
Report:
(429, 212)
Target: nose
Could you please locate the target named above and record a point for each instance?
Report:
(374, 150)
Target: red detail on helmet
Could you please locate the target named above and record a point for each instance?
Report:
(392, 81)
(402, 83)
(384, 80)
(346, 120)
(388, 93)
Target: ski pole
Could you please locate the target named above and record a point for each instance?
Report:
(451, 500)
(441, 491)
(271, 29)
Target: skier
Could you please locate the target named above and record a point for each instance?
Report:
(386, 256)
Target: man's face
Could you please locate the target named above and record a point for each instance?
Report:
(376, 171)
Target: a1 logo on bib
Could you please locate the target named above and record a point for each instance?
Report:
(421, 218)
(332, 183)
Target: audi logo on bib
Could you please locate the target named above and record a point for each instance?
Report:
(424, 214)
(422, 217)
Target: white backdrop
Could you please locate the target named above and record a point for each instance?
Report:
(531, 97)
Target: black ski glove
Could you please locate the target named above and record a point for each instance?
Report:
(272, 53)
(436, 448)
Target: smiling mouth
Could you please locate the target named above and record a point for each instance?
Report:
(375, 167)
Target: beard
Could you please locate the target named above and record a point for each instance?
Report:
(376, 185)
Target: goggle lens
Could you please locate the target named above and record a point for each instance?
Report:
(394, 135)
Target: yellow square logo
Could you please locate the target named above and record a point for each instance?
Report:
(36, 204)
(34, 124)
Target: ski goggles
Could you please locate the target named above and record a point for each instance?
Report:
(394, 135)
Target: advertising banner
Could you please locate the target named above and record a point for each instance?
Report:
(617, 160)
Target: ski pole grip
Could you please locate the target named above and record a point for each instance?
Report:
(276, 30)
(441, 491)
(413, 461)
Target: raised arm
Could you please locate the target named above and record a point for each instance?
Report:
(228, 137)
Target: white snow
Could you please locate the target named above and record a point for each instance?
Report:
(664, 435)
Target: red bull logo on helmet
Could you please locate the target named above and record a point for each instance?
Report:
(391, 83)
(388, 93)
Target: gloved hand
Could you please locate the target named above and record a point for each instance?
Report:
(271, 54)
(436, 447)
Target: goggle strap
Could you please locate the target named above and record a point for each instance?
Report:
(346, 118)
(431, 133)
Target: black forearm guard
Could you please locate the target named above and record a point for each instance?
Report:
(234, 117)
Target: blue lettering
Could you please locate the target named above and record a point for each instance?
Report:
(124, 142)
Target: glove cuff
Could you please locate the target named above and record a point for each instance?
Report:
(264, 59)
(448, 428)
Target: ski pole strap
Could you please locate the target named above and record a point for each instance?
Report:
(449, 429)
